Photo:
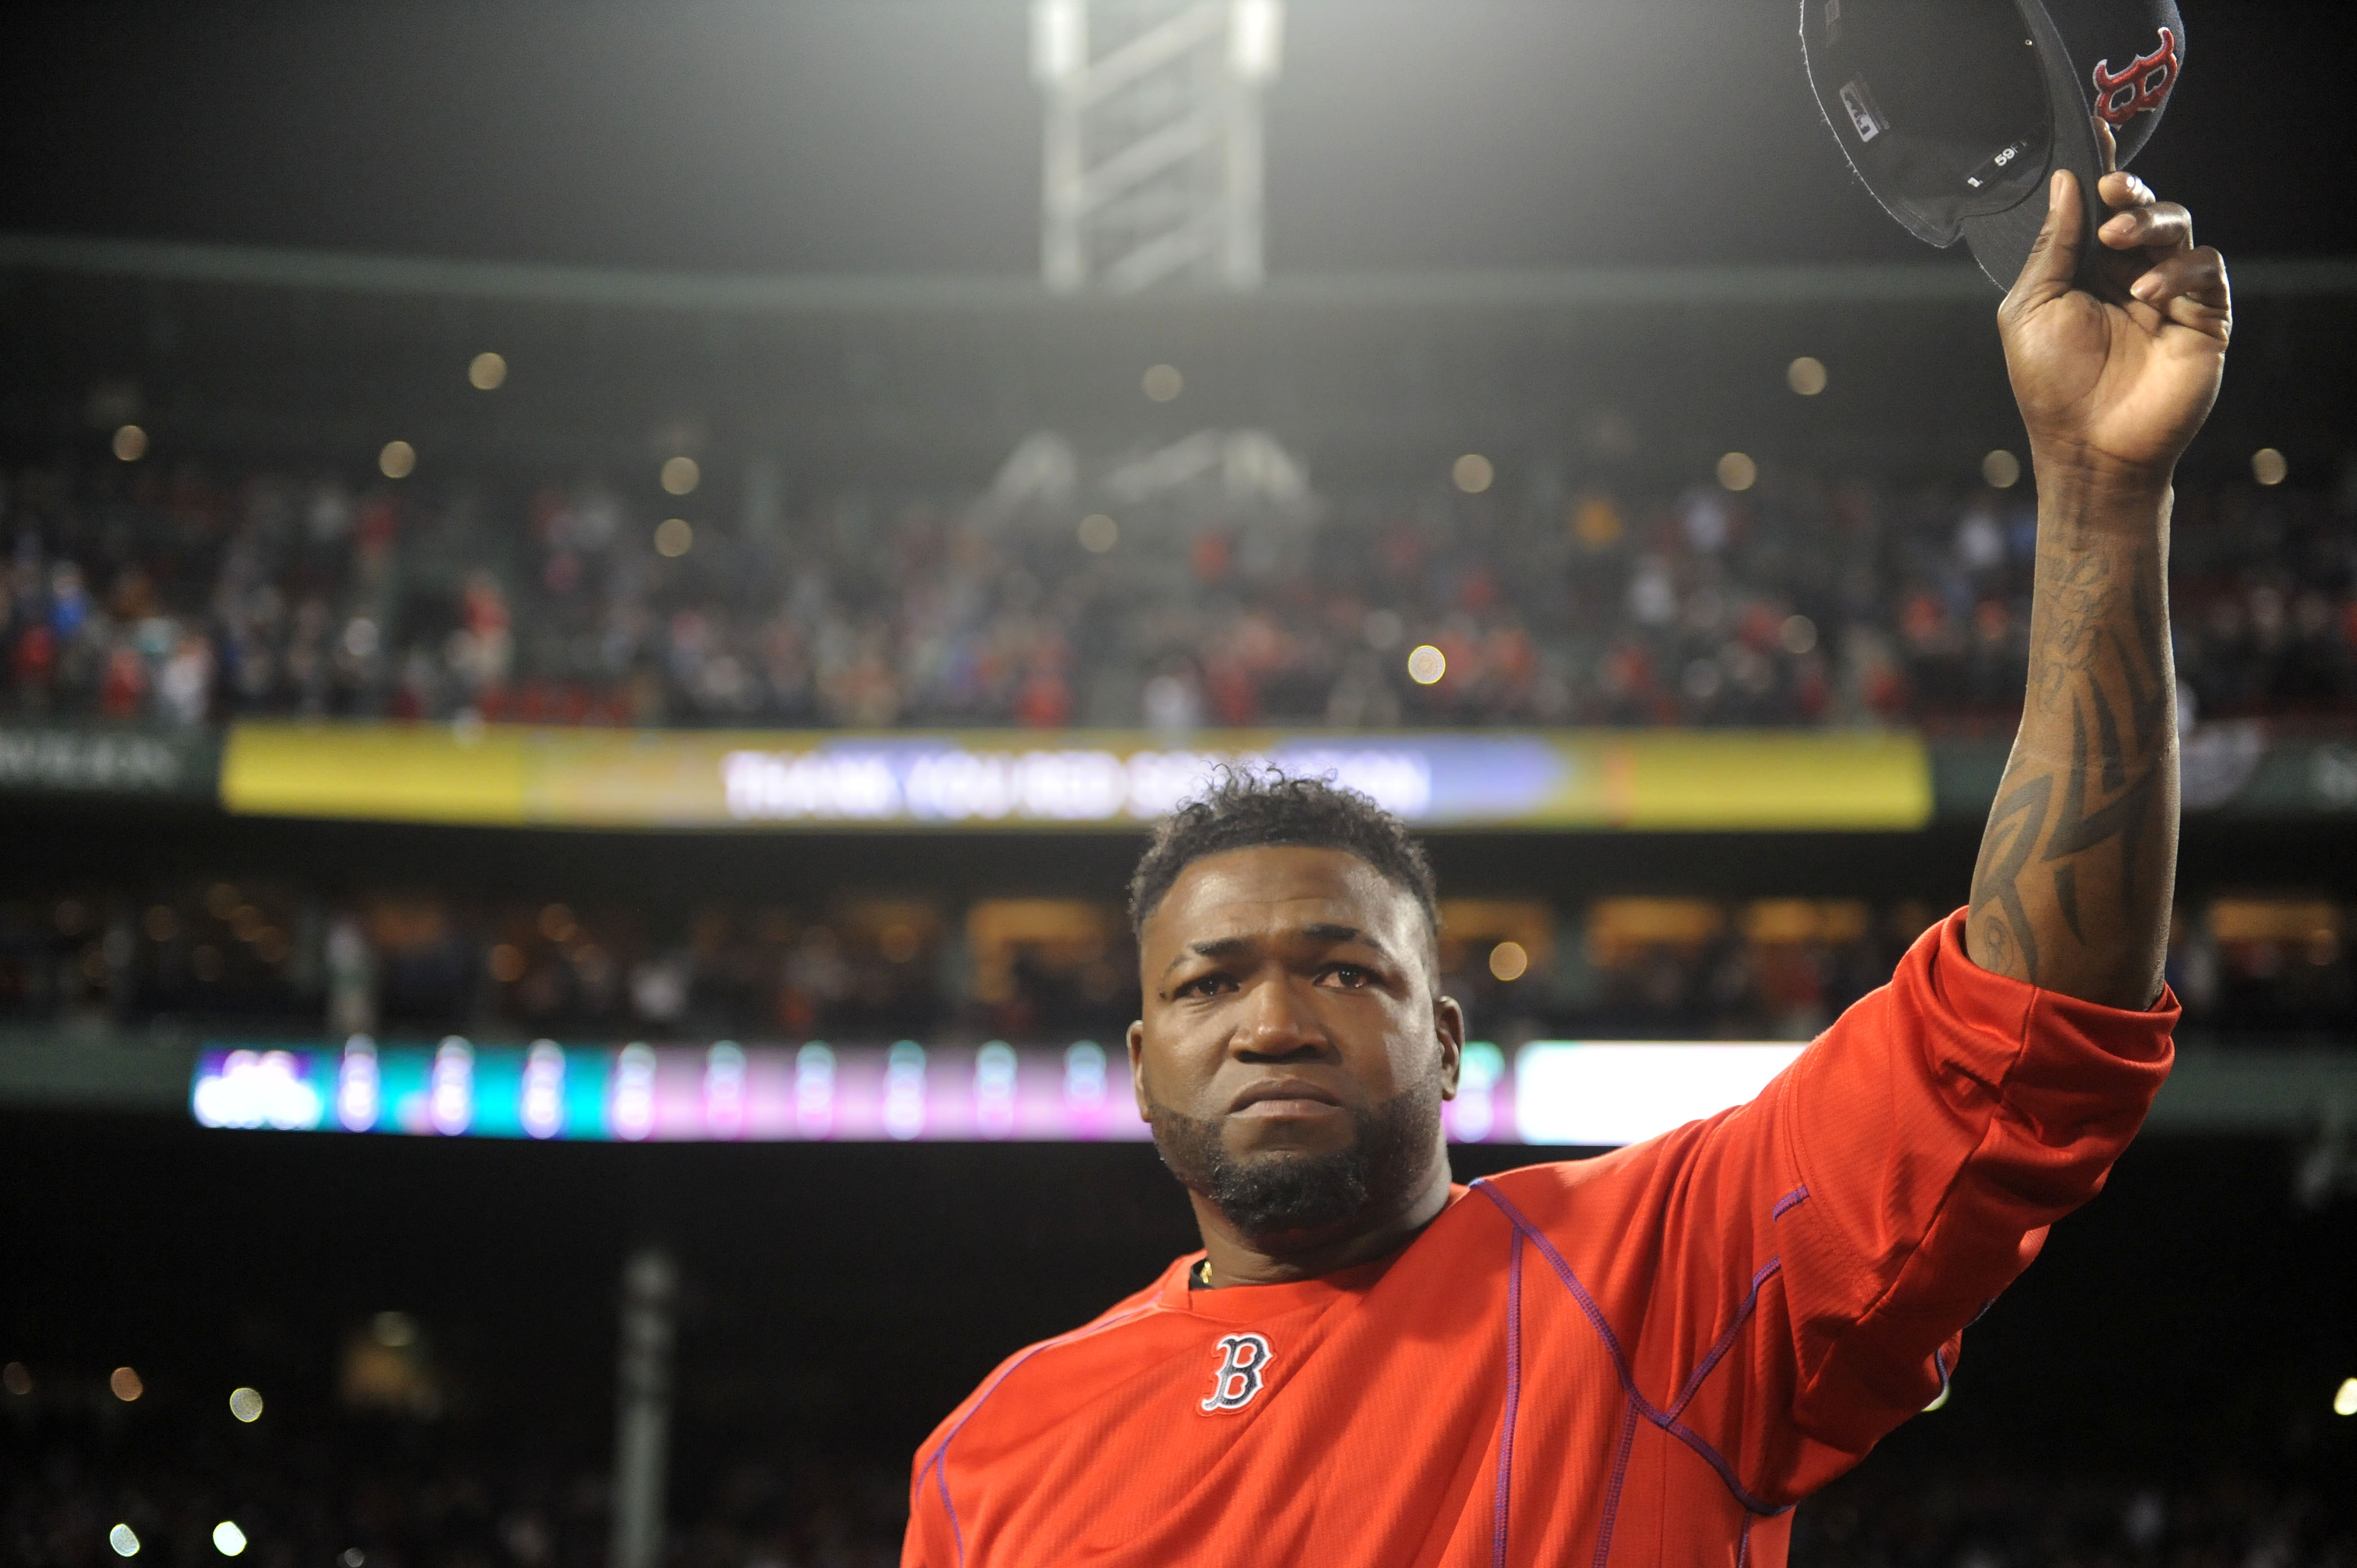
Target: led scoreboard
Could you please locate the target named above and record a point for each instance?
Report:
(1554, 1092)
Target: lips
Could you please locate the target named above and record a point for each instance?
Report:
(1284, 1089)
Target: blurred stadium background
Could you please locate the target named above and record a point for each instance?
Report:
(610, 590)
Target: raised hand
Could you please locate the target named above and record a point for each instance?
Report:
(2116, 365)
(2115, 369)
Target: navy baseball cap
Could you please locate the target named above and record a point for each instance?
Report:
(1956, 112)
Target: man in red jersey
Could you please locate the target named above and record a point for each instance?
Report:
(1653, 1354)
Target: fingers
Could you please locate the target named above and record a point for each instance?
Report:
(2119, 189)
(2163, 226)
(2189, 287)
(2141, 220)
(2108, 145)
(2054, 256)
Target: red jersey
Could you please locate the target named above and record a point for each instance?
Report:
(1656, 1352)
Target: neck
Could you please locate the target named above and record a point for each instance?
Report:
(1238, 1260)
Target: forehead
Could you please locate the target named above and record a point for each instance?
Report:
(1239, 892)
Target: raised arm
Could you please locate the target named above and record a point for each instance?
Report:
(2114, 369)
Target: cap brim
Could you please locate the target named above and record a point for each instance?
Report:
(2001, 242)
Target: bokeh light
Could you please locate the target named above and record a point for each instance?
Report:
(1163, 382)
(228, 1539)
(1806, 376)
(674, 537)
(398, 460)
(1099, 534)
(681, 476)
(1737, 471)
(130, 443)
(1426, 664)
(486, 372)
(2269, 466)
(124, 1540)
(1473, 472)
(1509, 961)
(2001, 469)
(245, 1405)
(126, 1384)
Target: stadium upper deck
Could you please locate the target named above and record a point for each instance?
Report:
(1291, 492)
(168, 591)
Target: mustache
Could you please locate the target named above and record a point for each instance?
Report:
(1285, 1193)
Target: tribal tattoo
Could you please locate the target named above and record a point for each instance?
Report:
(2074, 870)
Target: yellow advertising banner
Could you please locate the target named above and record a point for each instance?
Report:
(981, 780)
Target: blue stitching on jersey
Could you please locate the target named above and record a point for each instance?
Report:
(1666, 1420)
(1619, 1474)
(940, 1463)
(1743, 1313)
(1798, 1195)
(1513, 1397)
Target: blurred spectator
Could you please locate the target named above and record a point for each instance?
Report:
(286, 961)
(1884, 1514)
(414, 1493)
(1804, 600)
(395, 1493)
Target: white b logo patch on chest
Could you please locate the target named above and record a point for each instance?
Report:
(1242, 1357)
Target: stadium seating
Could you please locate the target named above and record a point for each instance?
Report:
(280, 959)
(185, 597)
(368, 1492)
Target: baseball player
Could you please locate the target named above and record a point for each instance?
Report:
(1650, 1356)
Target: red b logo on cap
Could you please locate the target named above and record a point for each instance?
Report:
(2121, 96)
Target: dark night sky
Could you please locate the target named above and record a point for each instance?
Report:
(831, 136)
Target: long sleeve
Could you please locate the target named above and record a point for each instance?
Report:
(1940, 1129)
(1791, 1278)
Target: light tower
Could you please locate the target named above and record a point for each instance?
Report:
(1153, 157)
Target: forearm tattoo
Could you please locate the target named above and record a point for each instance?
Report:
(2075, 872)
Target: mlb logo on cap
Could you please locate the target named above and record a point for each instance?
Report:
(1955, 112)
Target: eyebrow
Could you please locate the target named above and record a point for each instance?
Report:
(1324, 931)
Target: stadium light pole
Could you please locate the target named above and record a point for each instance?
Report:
(1151, 169)
(642, 1418)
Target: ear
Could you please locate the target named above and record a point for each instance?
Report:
(1137, 1066)
(1449, 1025)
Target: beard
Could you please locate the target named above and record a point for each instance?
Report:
(1286, 1192)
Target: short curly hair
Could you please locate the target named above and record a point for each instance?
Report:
(1250, 807)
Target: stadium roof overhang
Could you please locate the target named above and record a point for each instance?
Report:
(873, 292)
(1641, 375)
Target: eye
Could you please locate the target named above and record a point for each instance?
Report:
(1203, 986)
(1348, 977)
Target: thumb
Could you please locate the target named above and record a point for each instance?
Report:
(2054, 256)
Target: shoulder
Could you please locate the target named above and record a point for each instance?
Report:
(1129, 1310)
(1676, 1179)
(1557, 1190)
(1091, 1348)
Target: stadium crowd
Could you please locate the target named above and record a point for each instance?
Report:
(371, 1494)
(286, 962)
(368, 1494)
(138, 592)
(1889, 1515)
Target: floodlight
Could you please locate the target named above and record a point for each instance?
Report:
(1256, 39)
(1060, 39)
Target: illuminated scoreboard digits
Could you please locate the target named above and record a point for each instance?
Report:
(1590, 1093)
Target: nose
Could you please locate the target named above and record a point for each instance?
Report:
(1280, 1022)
